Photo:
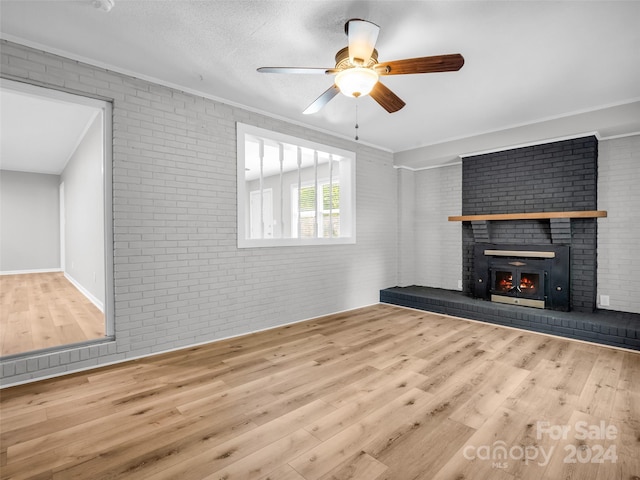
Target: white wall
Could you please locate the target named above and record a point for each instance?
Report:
(430, 247)
(29, 222)
(619, 233)
(438, 251)
(406, 227)
(179, 277)
(84, 214)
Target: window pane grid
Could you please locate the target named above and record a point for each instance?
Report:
(306, 188)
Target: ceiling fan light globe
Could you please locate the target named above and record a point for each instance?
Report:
(356, 82)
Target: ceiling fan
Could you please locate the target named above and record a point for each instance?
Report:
(357, 70)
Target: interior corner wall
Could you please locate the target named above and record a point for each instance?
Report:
(179, 278)
(29, 222)
(406, 227)
(438, 257)
(619, 232)
(84, 213)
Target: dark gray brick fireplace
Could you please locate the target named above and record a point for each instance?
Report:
(559, 176)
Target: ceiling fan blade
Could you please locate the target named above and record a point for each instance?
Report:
(362, 40)
(437, 63)
(322, 100)
(386, 98)
(302, 70)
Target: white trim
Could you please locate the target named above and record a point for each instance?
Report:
(63, 225)
(107, 204)
(52, 93)
(622, 135)
(295, 242)
(35, 270)
(176, 349)
(431, 167)
(85, 292)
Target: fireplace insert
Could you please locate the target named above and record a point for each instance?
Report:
(517, 282)
(533, 275)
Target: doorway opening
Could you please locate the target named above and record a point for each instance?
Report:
(56, 262)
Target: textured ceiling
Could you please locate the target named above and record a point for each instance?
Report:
(526, 62)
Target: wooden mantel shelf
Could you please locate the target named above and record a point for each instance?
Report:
(530, 216)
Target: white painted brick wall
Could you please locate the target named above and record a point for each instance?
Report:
(619, 233)
(179, 278)
(438, 242)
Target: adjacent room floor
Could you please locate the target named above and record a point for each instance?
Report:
(44, 310)
(382, 392)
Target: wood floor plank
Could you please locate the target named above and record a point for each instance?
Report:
(267, 459)
(495, 338)
(490, 395)
(356, 410)
(285, 472)
(542, 392)
(470, 461)
(348, 442)
(563, 463)
(360, 466)
(378, 393)
(225, 454)
(419, 451)
(600, 388)
(525, 351)
(381, 380)
(463, 361)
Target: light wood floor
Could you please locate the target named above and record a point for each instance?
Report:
(42, 310)
(377, 393)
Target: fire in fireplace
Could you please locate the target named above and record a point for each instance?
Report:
(528, 283)
(523, 276)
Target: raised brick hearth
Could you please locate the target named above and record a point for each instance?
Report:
(618, 329)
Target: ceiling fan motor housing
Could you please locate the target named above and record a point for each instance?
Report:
(343, 62)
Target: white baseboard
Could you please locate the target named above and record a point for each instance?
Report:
(92, 298)
(36, 270)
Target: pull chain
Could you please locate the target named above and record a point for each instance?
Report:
(356, 118)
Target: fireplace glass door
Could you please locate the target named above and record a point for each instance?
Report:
(517, 282)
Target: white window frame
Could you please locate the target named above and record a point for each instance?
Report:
(347, 183)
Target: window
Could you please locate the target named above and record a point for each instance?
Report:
(307, 205)
(292, 191)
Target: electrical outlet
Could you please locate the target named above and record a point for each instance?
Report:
(604, 300)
